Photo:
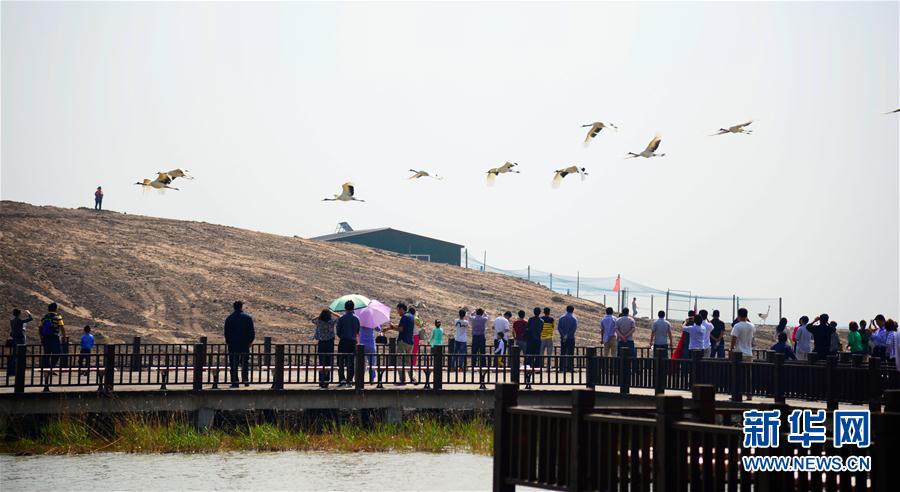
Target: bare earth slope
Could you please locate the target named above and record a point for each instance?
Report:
(168, 280)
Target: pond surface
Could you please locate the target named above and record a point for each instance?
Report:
(247, 471)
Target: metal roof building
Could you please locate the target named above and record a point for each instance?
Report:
(404, 243)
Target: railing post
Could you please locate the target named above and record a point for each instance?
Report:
(778, 378)
(109, 367)
(278, 374)
(505, 396)
(704, 396)
(874, 379)
(582, 404)
(515, 365)
(437, 377)
(392, 350)
(696, 355)
(591, 367)
(136, 354)
(668, 411)
(624, 371)
(659, 370)
(199, 360)
(203, 340)
(886, 433)
(267, 351)
(736, 381)
(856, 360)
(359, 368)
(21, 350)
(831, 383)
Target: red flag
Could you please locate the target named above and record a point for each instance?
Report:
(618, 284)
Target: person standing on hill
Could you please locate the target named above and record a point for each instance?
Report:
(347, 332)
(625, 332)
(608, 333)
(98, 199)
(634, 310)
(239, 335)
(567, 327)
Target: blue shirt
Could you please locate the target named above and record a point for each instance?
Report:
(407, 326)
(87, 341)
(879, 337)
(782, 347)
(566, 326)
(348, 326)
(697, 332)
(608, 327)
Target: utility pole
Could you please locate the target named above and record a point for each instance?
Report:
(578, 285)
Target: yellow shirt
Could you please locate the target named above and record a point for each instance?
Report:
(547, 330)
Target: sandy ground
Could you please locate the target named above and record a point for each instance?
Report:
(169, 281)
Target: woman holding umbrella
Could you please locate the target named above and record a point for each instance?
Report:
(370, 320)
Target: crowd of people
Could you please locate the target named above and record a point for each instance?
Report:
(468, 344)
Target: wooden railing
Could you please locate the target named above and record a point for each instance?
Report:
(677, 445)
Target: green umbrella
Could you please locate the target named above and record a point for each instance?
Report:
(359, 302)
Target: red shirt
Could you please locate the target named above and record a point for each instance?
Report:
(519, 328)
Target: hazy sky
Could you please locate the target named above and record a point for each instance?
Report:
(273, 106)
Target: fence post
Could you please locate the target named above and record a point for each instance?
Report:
(856, 360)
(736, 380)
(267, 350)
(667, 306)
(505, 396)
(203, 340)
(136, 354)
(109, 363)
(21, 350)
(668, 410)
(515, 364)
(886, 428)
(278, 375)
(704, 396)
(831, 383)
(778, 378)
(659, 374)
(582, 404)
(199, 359)
(591, 367)
(696, 355)
(624, 371)
(874, 379)
(438, 371)
(392, 354)
(359, 368)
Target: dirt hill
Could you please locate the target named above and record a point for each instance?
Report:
(173, 281)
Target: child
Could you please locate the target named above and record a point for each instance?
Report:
(87, 344)
(437, 334)
(499, 348)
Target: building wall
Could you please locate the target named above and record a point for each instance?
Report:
(399, 242)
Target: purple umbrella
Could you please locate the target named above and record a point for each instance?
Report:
(373, 315)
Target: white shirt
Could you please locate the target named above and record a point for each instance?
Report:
(743, 334)
(707, 329)
(501, 325)
(501, 346)
(462, 330)
(804, 340)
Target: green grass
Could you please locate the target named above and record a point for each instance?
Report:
(138, 435)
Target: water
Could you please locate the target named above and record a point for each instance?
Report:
(247, 471)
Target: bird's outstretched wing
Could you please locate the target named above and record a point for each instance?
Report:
(654, 144)
(164, 178)
(721, 131)
(557, 179)
(894, 111)
(492, 177)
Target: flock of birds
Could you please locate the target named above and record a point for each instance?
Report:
(165, 179)
(348, 189)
